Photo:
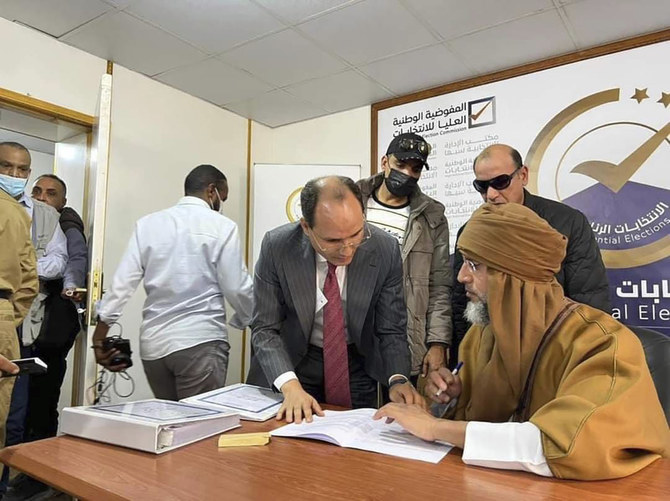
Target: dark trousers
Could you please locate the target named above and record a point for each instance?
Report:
(310, 374)
(17, 413)
(44, 393)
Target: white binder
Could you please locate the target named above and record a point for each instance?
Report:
(153, 425)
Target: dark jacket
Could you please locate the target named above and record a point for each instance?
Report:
(426, 271)
(582, 272)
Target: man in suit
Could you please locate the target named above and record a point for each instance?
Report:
(330, 320)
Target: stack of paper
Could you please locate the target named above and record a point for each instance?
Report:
(252, 403)
(244, 439)
(150, 425)
(357, 430)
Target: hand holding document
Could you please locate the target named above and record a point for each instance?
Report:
(357, 430)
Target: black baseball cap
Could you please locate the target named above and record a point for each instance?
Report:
(409, 147)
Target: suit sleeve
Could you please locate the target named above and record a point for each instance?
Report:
(391, 319)
(269, 313)
(585, 276)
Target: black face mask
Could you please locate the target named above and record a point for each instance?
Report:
(400, 184)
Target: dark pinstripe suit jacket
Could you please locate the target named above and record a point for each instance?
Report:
(285, 294)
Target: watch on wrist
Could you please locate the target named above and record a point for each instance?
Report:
(398, 380)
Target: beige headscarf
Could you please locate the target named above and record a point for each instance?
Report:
(522, 253)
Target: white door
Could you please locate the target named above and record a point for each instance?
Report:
(94, 219)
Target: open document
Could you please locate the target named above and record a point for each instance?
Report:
(150, 425)
(357, 430)
(252, 403)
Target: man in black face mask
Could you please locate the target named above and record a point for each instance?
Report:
(395, 203)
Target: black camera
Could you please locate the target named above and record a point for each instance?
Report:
(123, 345)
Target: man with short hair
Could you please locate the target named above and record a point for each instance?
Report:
(500, 178)
(395, 203)
(62, 324)
(51, 253)
(329, 322)
(547, 385)
(191, 261)
(18, 283)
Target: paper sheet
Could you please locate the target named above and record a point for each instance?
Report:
(356, 429)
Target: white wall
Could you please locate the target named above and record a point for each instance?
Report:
(158, 135)
(37, 65)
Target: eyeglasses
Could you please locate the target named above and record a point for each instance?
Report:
(410, 144)
(471, 264)
(498, 183)
(357, 240)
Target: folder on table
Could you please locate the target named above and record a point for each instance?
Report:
(252, 403)
(153, 425)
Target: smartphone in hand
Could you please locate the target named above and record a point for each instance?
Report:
(28, 366)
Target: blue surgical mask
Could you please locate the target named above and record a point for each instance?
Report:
(13, 186)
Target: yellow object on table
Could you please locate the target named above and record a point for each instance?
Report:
(244, 439)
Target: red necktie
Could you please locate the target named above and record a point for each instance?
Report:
(335, 357)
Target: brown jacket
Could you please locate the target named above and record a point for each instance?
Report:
(426, 271)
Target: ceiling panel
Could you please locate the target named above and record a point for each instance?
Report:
(141, 47)
(417, 70)
(452, 21)
(54, 18)
(340, 92)
(599, 21)
(276, 108)
(212, 25)
(522, 41)
(215, 82)
(283, 58)
(368, 30)
(297, 10)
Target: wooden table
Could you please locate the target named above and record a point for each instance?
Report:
(297, 470)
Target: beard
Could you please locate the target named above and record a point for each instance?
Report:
(477, 313)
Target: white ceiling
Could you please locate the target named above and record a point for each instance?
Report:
(283, 61)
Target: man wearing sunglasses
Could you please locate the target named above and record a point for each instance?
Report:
(500, 178)
(395, 203)
(329, 321)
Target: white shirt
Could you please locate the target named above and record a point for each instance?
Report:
(190, 259)
(52, 264)
(507, 446)
(392, 220)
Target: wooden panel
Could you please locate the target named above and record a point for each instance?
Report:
(30, 104)
(296, 469)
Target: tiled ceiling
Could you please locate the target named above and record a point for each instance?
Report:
(283, 61)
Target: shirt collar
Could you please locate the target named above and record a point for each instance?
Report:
(26, 201)
(188, 200)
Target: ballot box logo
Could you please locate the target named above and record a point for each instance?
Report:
(606, 154)
(293, 207)
(482, 112)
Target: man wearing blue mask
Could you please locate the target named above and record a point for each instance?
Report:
(191, 260)
(50, 247)
(395, 203)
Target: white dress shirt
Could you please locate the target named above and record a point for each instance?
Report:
(52, 264)
(190, 259)
(506, 446)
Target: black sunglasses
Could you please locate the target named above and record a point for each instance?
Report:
(498, 183)
(409, 144)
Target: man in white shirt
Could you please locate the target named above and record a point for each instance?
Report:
(190, 259)
(547, 385)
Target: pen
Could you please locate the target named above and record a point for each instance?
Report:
(454, 372)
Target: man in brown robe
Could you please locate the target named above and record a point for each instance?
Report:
(547, 385)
